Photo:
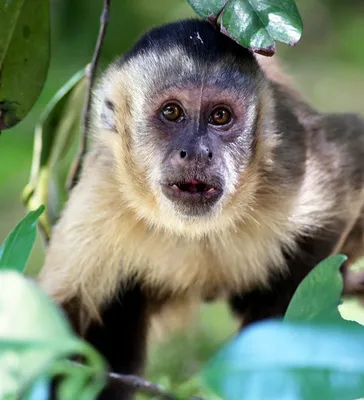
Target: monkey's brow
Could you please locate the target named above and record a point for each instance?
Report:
(231, 87)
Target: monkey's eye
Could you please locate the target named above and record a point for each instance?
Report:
(172, 112)
(220, 116)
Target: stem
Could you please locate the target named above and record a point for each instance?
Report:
(141, 385)
(91, 73)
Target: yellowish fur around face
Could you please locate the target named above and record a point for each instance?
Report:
(100, 242)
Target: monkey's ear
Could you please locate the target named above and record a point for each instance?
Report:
(107, 115)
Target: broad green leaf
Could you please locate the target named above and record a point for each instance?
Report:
(255, 24)
(15, 251)
(319, 294)
(24, 56)
(58, 125)
(34, 337)
(207, 8)
(291, 360)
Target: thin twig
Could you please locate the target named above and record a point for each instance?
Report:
(141, 385)
(136, 382)
(91, 73)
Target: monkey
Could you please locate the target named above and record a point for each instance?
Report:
(209, 176)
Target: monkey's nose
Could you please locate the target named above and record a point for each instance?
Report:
(202, 153)
(184, 156)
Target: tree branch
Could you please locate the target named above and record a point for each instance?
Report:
(143, 386)
(91, 74)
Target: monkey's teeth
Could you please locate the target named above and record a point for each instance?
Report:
(211, 190)
(175, 187)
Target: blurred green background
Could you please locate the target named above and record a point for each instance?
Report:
(328, 66)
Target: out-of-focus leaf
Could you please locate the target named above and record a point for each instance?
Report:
(24, 56)
(255, 24)
(319, 294)
(35, 336)
(40, 389)
(290, 360)
(57, 127)
(15, 251)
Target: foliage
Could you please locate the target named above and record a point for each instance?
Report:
(291, 360)
(24, 56)
(15, 251)
(313, 354)
(319, 295)
(55, 132)
(34, 345)
(255, 24)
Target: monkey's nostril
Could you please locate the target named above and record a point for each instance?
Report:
(183, 154)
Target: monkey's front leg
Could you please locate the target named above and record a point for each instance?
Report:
(122, 338)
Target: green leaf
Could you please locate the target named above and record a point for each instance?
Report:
(319, 294)
(255, 24)
(24, 56)
(207, 8)
(34, 340)
(58, 126)
(290, 360)
(15, 251)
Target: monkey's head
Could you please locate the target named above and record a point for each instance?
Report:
(182, 113)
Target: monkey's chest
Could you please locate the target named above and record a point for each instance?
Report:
(205, 271)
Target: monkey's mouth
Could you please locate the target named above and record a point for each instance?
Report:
(193, 193)
(194, 186)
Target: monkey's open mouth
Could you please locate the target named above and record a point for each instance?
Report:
(193, 193)
(194, 186)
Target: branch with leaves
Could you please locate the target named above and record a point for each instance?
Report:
(91, 75)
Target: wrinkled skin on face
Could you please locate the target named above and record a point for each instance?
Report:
(203, 133)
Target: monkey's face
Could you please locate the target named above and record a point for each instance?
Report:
(189, 118)
(203, 145)
(193, 135)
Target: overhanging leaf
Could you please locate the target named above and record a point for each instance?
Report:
(34, 340)
(207, 8)
(58, 126)
(15, 251)
(255, 24)
(319, 294)
(291, 360)
(24, 56)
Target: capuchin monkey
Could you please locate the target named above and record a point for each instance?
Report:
(208, 177)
